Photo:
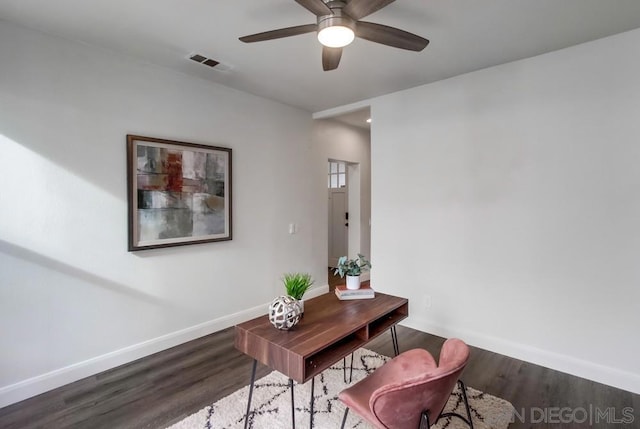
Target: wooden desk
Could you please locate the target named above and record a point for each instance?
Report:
(330, 330)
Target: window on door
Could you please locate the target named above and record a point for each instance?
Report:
(337, 174)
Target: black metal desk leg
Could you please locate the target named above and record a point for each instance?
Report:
(313, 379)
(344, 418)
(293, 407)
(394, 340)
(351, 369)
(253, 379)
(344, 369)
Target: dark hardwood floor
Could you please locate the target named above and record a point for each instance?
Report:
(161, 389)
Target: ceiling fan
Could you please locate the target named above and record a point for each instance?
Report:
(339, 23)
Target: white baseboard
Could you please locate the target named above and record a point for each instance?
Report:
(42, 383)
(592, 371)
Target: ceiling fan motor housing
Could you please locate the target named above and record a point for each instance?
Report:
(337, 18)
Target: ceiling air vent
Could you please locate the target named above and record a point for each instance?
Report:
(203, 60)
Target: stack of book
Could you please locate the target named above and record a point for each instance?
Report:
(365, 292)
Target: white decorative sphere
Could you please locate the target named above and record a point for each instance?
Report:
(284, 312)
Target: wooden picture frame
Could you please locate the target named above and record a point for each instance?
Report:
(178, 193)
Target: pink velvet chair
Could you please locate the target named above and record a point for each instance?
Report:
(411, 390)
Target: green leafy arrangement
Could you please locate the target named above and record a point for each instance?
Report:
(352, 267)
(297, 284)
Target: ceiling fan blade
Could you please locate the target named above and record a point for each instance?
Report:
(316, 7)
(390, 36)
(358, 9)
(331, 58)
(280, 33)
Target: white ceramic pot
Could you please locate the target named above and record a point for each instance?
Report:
(353, 282)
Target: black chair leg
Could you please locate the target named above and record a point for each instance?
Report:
(424, 421)
(463, 388)
(344, 419)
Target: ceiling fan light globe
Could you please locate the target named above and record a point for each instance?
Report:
(336, 36)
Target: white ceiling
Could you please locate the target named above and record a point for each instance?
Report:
(465, 35)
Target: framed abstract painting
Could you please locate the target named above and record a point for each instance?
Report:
(178, 193)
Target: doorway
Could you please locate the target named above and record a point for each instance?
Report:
(345, 139)
(338, 216)
(344, 211)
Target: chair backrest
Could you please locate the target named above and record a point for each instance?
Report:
(400, 405)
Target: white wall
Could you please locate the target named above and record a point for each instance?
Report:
(73, 301)
(335, 140)
(509, 199)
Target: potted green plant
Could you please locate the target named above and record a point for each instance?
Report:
(296, 284)
(352, 268)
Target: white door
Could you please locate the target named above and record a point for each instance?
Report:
(338, 209)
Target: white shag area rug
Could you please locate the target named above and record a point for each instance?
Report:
(271, 403)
